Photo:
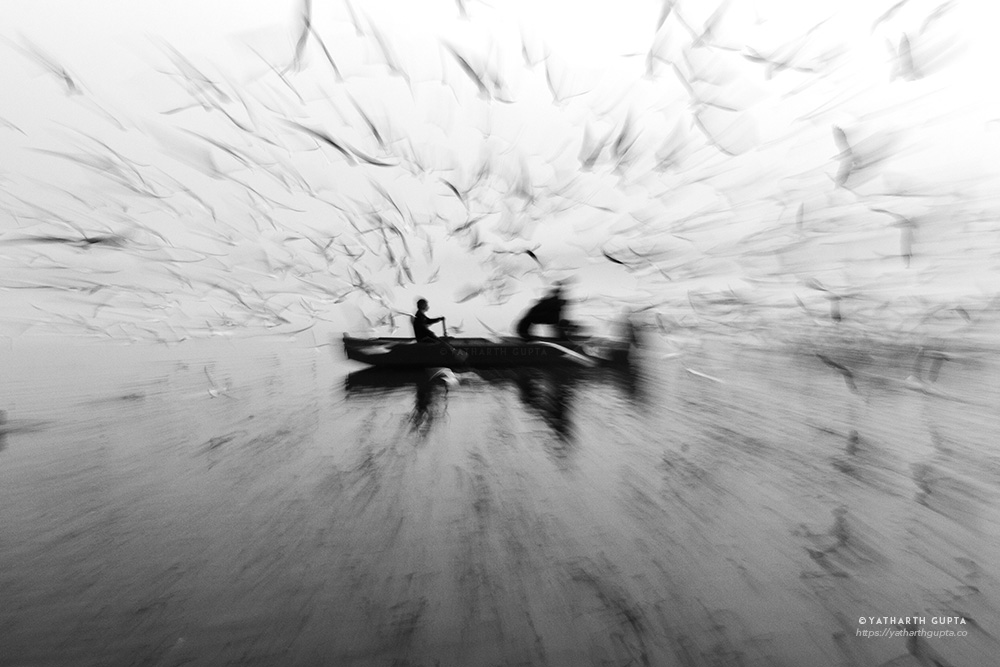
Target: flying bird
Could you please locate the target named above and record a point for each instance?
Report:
(907, 228)
(456, 192)
(668, 5)
(325, 138)
(843, 370)
(903, 67)
(111, 240)
(468, 293)
(300, 45)
(51, 65)
(773, 64)
(469, 71)
(590, 149)
(388, 55)
(708, 29)
(528, 251)
(8, 124)
(848, 161)
(355, 19)
(696, 120)
(940, 11)
(888, 14)
(368, 121)
(614, 260)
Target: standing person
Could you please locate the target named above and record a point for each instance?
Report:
(422, 323)
(545, 311)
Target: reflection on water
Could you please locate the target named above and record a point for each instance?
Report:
(235, 503)
(548, 392)
(550, 396)
(430, 392)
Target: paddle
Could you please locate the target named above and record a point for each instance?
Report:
(460, 356)
(575, 356)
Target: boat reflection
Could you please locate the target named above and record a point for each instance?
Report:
(550, 396)
(548, 392)
(430, 390)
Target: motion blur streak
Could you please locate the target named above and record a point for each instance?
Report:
(793, 202)
(585, 516)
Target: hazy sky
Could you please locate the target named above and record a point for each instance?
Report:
(715, 135)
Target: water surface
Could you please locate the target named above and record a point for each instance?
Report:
(261, 502)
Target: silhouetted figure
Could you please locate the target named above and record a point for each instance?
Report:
(546, 311)
(423, 334)
(422, 323)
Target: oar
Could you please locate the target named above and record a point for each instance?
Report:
(460, 355)
(575, 356)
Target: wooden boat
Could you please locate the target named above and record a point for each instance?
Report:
(483, 352)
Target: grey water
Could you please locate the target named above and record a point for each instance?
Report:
(264, 502)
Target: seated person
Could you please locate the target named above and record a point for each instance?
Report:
(422, 324)
(423, 334)
(545, 311)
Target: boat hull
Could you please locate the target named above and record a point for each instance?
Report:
(480, 352)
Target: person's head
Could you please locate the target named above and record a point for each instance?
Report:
(422, 305)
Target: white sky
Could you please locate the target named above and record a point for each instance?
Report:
(712, 219)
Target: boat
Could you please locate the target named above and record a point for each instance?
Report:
(499, 352)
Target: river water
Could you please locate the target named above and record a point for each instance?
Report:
(261, 502)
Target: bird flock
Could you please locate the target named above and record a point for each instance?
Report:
(734, 169)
